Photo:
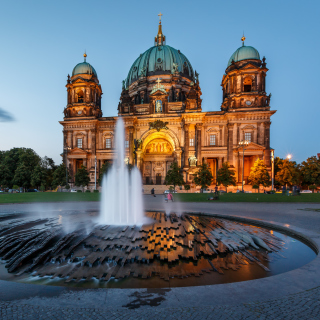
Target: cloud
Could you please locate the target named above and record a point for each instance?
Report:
(5, 116)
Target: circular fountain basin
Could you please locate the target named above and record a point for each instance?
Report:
(70, 248)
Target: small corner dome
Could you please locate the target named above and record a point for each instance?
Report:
(244, 53)
(84, 68)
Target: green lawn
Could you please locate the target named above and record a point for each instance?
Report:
(183, 197)
(247, 197)
(48, 197)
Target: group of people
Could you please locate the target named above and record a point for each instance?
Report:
(168, 196)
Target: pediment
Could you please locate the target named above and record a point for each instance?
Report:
(159, 93)
(77, 150)
(252, 146)
(249, 66)
(248, 127)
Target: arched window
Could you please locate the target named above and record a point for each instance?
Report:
(247, 84)
(80, 96)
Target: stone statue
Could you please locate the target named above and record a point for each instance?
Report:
(66, 112)
(174, 68)
(143, 71)
(196, 76)
(158, 106)
(193, 161)
(123, 84)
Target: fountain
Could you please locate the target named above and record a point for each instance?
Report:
(121, 198)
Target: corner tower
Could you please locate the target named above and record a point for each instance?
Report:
(244, 84)
(84, 92)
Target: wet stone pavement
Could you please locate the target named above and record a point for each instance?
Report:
(292, 295)
(304, 305)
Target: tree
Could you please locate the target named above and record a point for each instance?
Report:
(104, 170)
(17, 165)
(226, 176)
(310, 172)
(174, 176)
(203, 176)
(277, 162)
(82, 177)
(259, 174)
(39, 176)
(288, 173)
(187, 187)
(59, 176)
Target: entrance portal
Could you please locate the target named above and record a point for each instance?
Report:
(158, 178)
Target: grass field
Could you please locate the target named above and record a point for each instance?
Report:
(48, 197)
(183, 197)
(247, 197)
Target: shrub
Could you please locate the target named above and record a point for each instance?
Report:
(88, 191)
(67, 186)
(79, 190)
(15, 187)
(95, 191)
(255, 186)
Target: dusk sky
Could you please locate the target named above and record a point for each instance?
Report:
(41, 42)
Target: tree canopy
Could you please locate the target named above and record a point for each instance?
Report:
(226, 176)
(203, 176)
(259, 174)
(17, 166)
(310, 172)
(59, 176)
(104, 170)
(288, 173)
(174, 175)
(82, 177)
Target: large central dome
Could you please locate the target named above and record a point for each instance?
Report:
(159, 59)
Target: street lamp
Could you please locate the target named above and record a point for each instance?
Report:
(66, 149)
(95, 172)
(243, 143)
(272, 169)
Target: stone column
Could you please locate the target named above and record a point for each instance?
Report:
(230, 143)
(198, 143)
(267, 152)
(131, 159)
(186, 145)
(219, 162)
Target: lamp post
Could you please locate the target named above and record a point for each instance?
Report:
(95, 173)
(66, 150)
(272, 170)
(243, 143)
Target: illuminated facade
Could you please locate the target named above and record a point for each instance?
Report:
(160, 105)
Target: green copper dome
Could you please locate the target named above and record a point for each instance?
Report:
(84, 68)
(244, 53)
(159, 60)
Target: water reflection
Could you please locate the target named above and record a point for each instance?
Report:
(71, 249)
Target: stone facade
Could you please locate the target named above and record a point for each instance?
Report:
(164, 121)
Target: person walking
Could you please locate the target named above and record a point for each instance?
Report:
(170, 197)
(152, 192)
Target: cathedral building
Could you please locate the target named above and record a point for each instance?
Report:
(160, 105)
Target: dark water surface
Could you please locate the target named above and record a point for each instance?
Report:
(139, 257)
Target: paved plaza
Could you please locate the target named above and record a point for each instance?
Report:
(291, 295)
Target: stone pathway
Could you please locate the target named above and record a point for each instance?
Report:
(304, 305)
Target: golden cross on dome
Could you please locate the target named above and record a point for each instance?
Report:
(243, 38)
(160, 15)
(158, 81)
